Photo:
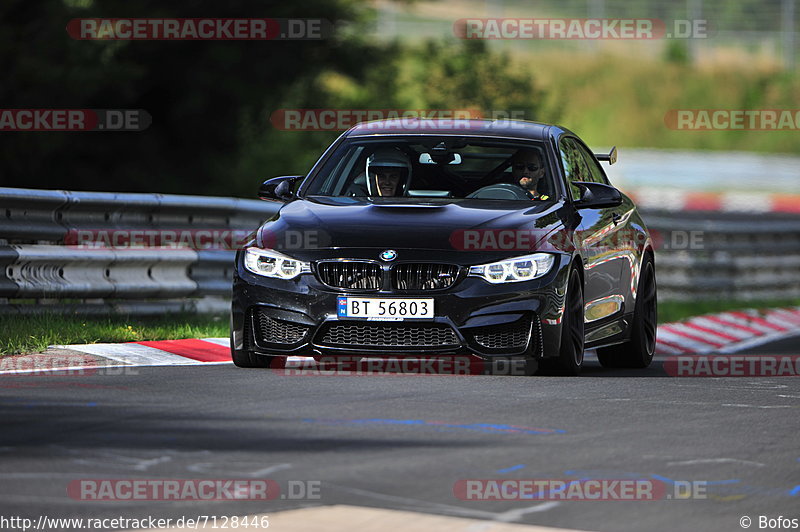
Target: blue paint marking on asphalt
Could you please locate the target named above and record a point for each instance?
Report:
(599, 475)
(480, 427)
(593, 474)
(510, 469)
(707, 482)
(795, 490)
(663, 479)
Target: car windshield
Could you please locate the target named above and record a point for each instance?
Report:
(436, 167)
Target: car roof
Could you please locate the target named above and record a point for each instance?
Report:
(517, 129)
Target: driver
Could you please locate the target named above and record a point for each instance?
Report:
(388, 173)
(527, 168)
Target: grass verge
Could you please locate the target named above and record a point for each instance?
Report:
(670, 311)
(30, 334)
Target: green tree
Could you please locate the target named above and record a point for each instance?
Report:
(200, 94)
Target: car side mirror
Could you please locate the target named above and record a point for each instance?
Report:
(597, 196)
(278, 188)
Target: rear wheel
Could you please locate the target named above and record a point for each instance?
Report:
(570, 356)
(638, 351)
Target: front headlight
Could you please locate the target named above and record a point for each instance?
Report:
(515, 270)
(273, 264)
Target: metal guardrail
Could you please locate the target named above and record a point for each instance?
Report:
(39, 263)
(722, 255)
(734, 256)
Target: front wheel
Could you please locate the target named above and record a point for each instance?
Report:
(250, 359)
(639, 350)
(570, 356)
(247, 358)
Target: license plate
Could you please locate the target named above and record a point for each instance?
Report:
(390, 309)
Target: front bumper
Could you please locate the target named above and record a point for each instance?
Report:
(298, 317)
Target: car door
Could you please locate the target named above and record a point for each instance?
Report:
(597, 237)
(628, 235)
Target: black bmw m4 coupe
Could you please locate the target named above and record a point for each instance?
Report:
(428, 238)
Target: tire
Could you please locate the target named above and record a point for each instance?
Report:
(247, 358)
(638, 351)
(250, 359)
(570, 355)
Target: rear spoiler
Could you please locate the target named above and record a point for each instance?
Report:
(610, 157)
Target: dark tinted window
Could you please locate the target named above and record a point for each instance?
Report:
(595, 171)
(575, 166)
(431, 167)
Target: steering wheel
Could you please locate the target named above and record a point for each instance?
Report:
(504, 191)
(495, 173)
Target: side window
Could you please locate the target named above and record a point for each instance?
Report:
(596, 172)
(575, 166)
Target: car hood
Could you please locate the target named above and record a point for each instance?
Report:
(305, 228)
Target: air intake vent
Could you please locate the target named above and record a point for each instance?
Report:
(358, 275)
(423, 276)
(387, 335)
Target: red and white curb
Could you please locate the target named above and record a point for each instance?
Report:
(161, 352)
(681, 200)
(723, 333)
(727, 332)
(84, 359)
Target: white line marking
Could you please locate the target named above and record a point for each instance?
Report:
(450, 509)
(757, 406)
(209, 467)
(715, 461)
(132, 354)
(514, 515)
(268, 470)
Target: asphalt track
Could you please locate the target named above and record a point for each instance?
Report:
(403, 442)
